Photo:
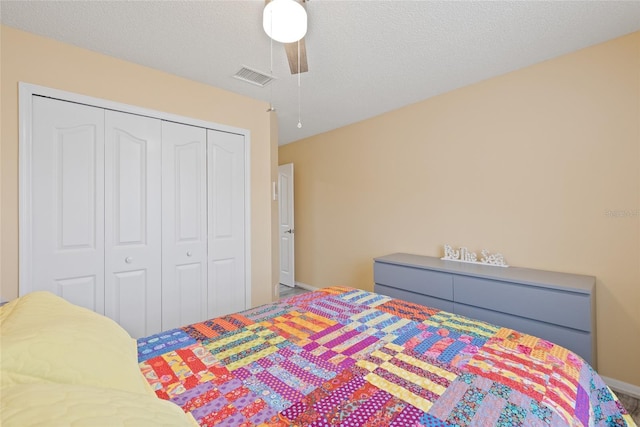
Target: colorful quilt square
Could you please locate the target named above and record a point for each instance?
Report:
(268, 311)
(380, 324)
(243, 346)
(462, 325)
(364, 298)
(349, 400)
(216, 327)
(442, 344)
(341, 345)
(163, 342)
(404, 374)
(228, 404)
(408, 310)
(333, 307)
(473, 400)
(298, 325)
(305, 298)
(534, 367)
(286, 376)
(176, 371)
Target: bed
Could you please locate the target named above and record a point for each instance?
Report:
(342, 356)
(338, 356)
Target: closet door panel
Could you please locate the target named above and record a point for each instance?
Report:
(67, 201)
(133, 241)
(190, 285)
(78, 290)
(184, 225)
(128, 302)
(226, 213)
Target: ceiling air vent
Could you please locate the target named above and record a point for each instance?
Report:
(254, 77)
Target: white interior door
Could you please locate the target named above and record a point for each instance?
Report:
(67, 201)
(287, 226)
(226, 214)
(184, 225)
(132, 222)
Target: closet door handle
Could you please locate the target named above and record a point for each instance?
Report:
(189, 253)
(128, 260)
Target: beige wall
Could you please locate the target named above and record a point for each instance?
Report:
(526, 164)
(33, 59)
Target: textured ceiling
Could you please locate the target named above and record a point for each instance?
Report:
(365, 57)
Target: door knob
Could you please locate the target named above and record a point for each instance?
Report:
(128, 260)
(189, 253)
(291, 231)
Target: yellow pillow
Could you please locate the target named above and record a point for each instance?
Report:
(45, 338)
(55, 405)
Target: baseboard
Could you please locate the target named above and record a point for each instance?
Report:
(305, 286)
(622, 387)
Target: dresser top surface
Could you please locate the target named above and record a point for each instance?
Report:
(551, 279)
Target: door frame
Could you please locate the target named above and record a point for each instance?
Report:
(289, 202)
(26, 91)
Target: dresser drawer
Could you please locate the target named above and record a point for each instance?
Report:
(579, 342)
(431, 283)
(425, 300)
(568, 309)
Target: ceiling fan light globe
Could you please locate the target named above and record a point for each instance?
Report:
(285, 21)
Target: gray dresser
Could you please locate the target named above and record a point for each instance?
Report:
(558, 307)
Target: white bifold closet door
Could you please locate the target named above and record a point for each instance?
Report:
(96, 210)
(67, 201)
(226, 211)
(184, 224)
(135, 217)
(203, 241)
(132, 222)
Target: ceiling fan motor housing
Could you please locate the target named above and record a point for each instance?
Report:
(285, 21)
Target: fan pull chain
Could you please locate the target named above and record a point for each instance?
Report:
(271, 108)
(299, 97)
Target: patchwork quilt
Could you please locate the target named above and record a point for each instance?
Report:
(346, 357)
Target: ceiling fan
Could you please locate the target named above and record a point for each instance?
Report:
(285, 21)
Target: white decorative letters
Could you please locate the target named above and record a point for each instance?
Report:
(464, 255)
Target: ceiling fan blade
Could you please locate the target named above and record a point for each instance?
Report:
(292, 56)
